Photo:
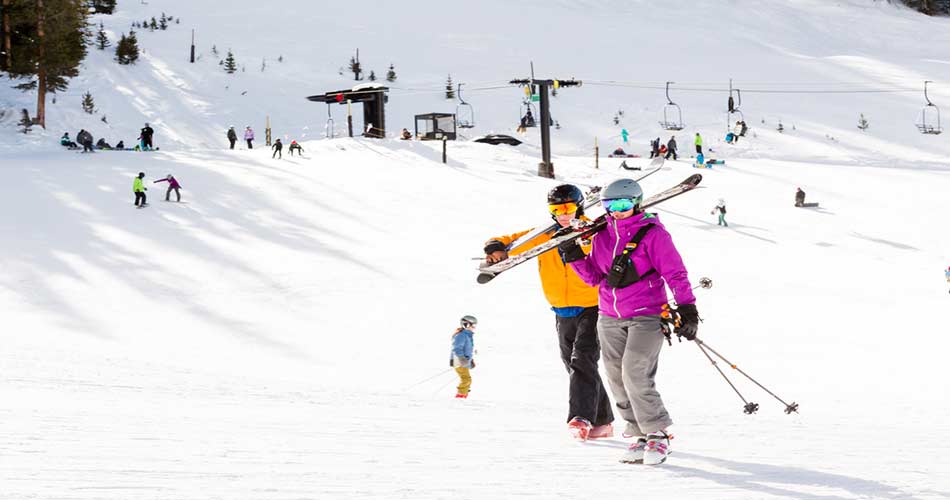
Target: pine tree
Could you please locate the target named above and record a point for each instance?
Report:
(263, 64)
(133, 48)
(372, 76)
(103, 6)
(152, 26)
(102, 40)
(449, 88)
(163, 22)
(280, 58)
(122, 50)
(47, 43)
(230, 65)
(214, 50)
(88, 105)
(863, 123)
(391, 74)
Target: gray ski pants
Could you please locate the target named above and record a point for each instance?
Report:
(631, 351)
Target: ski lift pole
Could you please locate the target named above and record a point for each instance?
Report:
(789, 407)
(925, 92)
(349, 117)
(596, 154)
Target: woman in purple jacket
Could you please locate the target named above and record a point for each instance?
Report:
(630, 261)
(172, 184)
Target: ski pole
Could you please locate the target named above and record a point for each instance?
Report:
(429, 378)
(789, 408)
(748, 408)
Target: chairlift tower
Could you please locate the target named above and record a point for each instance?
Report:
(545, 168)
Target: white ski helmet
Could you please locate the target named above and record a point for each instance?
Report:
(468, 321)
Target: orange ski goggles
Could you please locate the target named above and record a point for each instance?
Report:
(562, 208)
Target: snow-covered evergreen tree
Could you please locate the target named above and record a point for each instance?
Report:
(230, 65)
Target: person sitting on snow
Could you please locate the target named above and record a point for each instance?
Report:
(65, 141)
(102, 144)
(619, 152)
(405, 134)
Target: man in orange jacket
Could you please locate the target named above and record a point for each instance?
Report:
(575, 307)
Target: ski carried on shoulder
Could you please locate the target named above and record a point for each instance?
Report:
(489, 272)
(591, 198)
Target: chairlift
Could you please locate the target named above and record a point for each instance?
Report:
(672, 114)
(329, 126)
(529, 114)
(464, 112)
(733, 109)
(929, 116)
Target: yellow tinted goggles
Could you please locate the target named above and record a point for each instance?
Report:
(562, 208)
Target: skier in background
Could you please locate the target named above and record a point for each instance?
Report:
(799, 198)
(278, 149)
(631, 262)
(294, 146)
(699, 144)
(147, 133)
(463, 348)
(172, 184)
(575, 310)
(721, 208)
(671, 147)
(655, 148)
(139, 191)
(249, 137)
(232, 136)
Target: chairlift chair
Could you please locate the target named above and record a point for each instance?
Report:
(464, 112)
(929, 116)
(672, 114)
(730, 119)
(527, 106)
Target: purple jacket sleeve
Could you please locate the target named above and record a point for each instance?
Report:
(160, 180)
(669, 265)
(587, 268)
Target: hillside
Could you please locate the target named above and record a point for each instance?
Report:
(283, 333)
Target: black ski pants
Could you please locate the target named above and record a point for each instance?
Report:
(232, 142)
(580, 352)
(139, 198)
(147, 141)
(670, 152)
(249, 145)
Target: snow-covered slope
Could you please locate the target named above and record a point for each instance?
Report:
(284, 332)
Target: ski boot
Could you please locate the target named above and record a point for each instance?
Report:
(657, 448)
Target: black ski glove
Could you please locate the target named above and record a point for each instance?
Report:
(689, 321)
(570, 251)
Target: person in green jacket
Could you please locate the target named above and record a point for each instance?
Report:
(139, 189)
(699, 144)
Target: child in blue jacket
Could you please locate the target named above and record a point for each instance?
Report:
(463, 348)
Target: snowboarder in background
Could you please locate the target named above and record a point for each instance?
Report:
(85, 138)
(624, 135)
(139, 189)
(721, 208)
(120, 145)
(147, 133)
(278, 148)
(172, 184)
(463, 348)
(655, 148)
(575, 309)
(630, 262)
(102, 144)
(671, 147)
(294, 146)
(232, 136)
(699, 144)
(799, 198)
(67, 142)
(249, 137)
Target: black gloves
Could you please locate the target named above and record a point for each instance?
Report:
(494, 246)
(570, 251)
(689, 321)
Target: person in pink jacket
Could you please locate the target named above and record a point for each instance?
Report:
(249, 137)
(172, 185)
(632, 261)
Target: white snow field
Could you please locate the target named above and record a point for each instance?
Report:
(283, 333)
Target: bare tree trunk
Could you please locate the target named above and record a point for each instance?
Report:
(7, 46)
(41, 66)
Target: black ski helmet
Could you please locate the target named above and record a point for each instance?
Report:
(567, 193)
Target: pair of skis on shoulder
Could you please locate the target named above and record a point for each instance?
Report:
(489, 272)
